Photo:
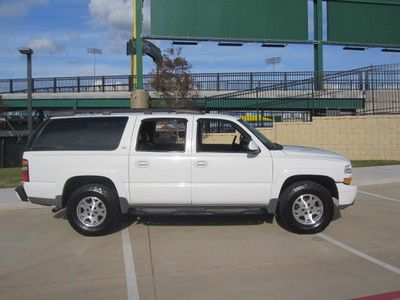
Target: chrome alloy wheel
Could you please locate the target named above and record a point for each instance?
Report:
(307, 209)
(91, 211)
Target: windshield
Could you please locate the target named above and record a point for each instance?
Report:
(267, 143)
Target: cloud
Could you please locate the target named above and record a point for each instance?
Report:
(76, 61)
(116, 14)
(116, 42)
(43, 44)
(74, 36)
(117, 17)
(18, 8)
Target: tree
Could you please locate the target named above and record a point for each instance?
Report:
(173, 80)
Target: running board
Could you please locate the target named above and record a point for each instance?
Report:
(198, 210)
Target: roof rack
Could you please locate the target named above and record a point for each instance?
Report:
(149, 111)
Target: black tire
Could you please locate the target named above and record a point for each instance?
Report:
(291, 214)
(108, 202)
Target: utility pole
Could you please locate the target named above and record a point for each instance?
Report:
(139, 97)
(28, 52)
(138, 35)
(318, 48)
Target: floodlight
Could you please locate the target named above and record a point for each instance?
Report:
(230, 44)
(354, 48)
(391, 50)
(185, 43)
(267, 45)
(25, 50)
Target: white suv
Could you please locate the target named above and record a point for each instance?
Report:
(99, 166)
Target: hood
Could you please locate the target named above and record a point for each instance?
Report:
(310, 152)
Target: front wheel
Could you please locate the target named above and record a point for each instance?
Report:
(305, 207)
(93, 209)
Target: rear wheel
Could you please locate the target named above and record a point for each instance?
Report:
(305, 207)
(93, 209)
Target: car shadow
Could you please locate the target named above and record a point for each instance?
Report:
(125, 221)
(196, 220)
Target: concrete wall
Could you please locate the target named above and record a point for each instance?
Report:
(357, 138)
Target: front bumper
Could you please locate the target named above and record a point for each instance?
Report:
(347, 194)
(21, 193)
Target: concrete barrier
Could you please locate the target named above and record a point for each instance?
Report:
(357, 138)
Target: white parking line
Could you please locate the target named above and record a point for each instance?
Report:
(360, 254)
(130, 275)
(379, 196)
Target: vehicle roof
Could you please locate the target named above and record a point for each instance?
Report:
(149, 112)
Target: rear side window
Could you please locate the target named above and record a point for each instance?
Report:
(81, 134)
(162, 135)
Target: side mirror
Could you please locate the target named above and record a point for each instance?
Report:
(252, 148)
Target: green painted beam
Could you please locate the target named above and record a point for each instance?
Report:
(303, 103)
(219, 104)
(69, 103)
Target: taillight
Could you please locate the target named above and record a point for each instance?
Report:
(25, 171)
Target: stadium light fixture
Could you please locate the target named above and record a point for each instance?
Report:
(189, 43)
(273, 61)
(94, 51)
(267, 45)
(352, 48)
(391, 50)
(230, 44)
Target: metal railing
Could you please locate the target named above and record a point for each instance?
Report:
(378, 86)
(384, 77)
(359, 79)
(202, 82)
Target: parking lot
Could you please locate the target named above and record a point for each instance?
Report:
(204, 257)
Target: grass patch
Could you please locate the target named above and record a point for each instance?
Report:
(373, 163)
(10, 177)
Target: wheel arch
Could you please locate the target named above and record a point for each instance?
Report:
(76, 182)
(326, 181)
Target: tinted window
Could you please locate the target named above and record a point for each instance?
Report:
(162, 135)
(81, 134)
(221, 136)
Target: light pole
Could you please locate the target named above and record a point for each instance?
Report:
(94, 51)
(273, 61)
(28, 52)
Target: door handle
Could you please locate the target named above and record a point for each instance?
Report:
(201, 163)
(143, 163)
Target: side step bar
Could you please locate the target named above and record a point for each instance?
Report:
(198, 210)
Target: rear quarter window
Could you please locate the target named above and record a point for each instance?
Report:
(81, 134)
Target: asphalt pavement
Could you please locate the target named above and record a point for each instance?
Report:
(358, 255)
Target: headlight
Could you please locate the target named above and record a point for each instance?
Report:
(347, 169)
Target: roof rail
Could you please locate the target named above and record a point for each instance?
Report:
(62, 113)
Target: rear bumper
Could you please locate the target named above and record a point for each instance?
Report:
(347, 194)
(21, 193)
(35, 200)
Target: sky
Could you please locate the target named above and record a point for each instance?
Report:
(60, 31)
